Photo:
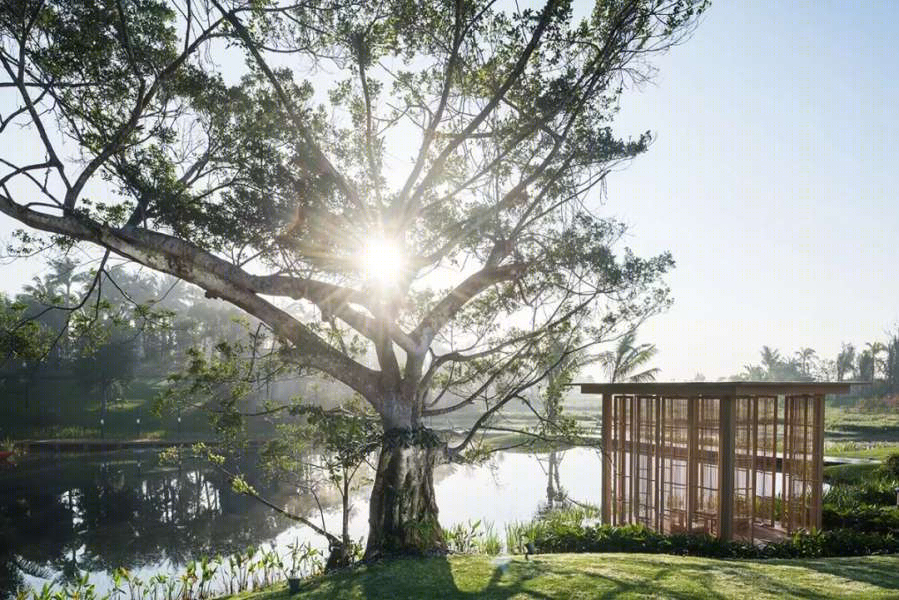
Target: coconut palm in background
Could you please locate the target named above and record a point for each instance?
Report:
(625, 362)
(846, 362)
(806, 358)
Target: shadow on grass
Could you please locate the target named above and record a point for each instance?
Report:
(863, 433)
(553, 577)
(877, 570)
(438, 578)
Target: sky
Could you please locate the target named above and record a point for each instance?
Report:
(771, 180)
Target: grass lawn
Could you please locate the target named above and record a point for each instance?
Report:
(850, 424)
(869, 450)
(854, 434)
(582, 576)
(852, 474)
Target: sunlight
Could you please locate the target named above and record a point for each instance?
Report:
(383, 261)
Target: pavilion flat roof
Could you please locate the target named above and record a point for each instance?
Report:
(718, 388)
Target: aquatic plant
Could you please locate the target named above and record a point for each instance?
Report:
(473, 537)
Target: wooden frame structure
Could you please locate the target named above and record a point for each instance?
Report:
(737, 460)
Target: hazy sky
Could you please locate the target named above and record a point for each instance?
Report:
(772, 181)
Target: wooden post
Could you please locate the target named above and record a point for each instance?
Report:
(692, 434)
(754, 436)
(658, 463)
(804, 504)
(622, 438)
(818, 456)
(666, 451)
(635, 471)
(785, 519)
(726, 426)
(606, 510)
(774, 468)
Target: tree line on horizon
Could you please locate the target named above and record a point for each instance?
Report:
(876, 363)
(68, 347)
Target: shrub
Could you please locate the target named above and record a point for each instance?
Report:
(866, 518)
(890, 466)
(875, 491)
(554, 522)
(851, 474)
(635, 538)
(473, 538)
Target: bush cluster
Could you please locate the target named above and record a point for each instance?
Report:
(862, 497)
(635, 538)
(866, 518)
(474, 537)
(873, 492)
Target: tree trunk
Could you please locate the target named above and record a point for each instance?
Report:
(403, 509)
(340, 555)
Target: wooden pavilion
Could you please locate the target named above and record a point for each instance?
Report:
(737, 460)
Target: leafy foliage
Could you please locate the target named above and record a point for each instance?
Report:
(567, 537)
(261, 187)
(473, 537)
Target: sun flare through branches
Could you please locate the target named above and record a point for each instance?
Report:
(383, 261)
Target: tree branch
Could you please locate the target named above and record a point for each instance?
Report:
(447, 308)
(219, 278)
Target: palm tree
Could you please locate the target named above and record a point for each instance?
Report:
(805, 358)
(58, 284)
(876, 349)
(891, 365)
(753, 373)
(845, 361)
(623, 363)
(771, 361)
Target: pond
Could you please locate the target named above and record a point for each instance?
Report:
(63, 515)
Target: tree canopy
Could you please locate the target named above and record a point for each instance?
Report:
(261, 150)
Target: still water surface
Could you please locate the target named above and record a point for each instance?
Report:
(67, 515)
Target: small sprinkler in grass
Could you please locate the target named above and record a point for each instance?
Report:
(896, 489)
(529, 549)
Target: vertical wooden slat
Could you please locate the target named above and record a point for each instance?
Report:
(629, 459)
(616, 489)
(661, 451)
(635, 440)
(726, 426)
(692, 479)
(774, 468)
(606, 507)
(622, 443)
(819, 459)
(804, 514)
(753, 433)
(786, 465)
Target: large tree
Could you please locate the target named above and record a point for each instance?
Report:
(421, 193)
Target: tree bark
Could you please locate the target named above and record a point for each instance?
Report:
(403, 509)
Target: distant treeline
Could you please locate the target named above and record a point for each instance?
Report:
(876, 364)
(75, 345)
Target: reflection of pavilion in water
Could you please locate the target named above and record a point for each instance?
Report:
(734, 460)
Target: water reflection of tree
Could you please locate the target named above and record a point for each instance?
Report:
(556, 496)
(99, 515)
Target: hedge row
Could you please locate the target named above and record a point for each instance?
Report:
(867, 518)
(634, 538)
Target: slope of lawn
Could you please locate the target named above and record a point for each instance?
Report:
(582, 576)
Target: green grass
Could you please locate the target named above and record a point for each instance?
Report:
(851, 433)
(869, 450)
(852, 474)
(619, 576)
(851, 424)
